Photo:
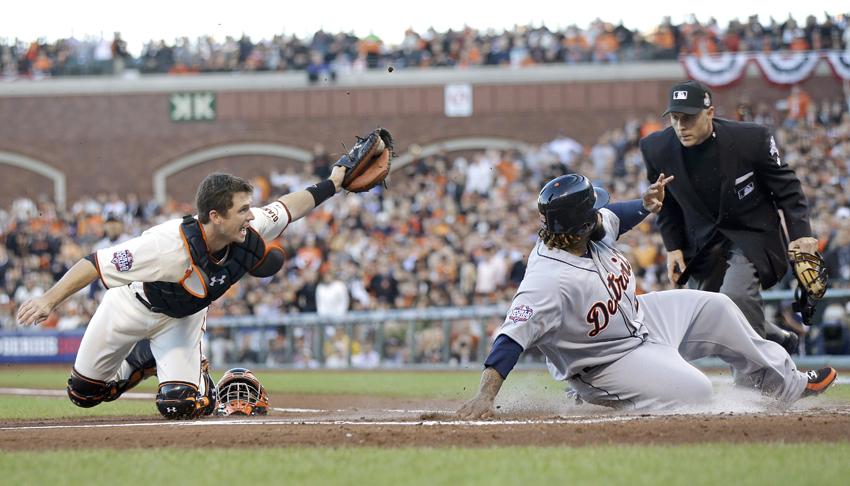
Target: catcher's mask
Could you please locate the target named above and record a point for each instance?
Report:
(240, 393)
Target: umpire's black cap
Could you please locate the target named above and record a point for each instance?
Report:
(690, 97)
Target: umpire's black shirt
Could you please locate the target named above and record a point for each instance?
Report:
(754, 182)
(704, 172)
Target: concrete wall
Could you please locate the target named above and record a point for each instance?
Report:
(111, 135)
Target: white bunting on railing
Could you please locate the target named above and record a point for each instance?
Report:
(787, 67)
(716, 70)
(839, 62)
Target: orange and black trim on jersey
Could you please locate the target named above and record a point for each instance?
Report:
(178, 382)
(93, 258)
(193, 268)
(288, 218)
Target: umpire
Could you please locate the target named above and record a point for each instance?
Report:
(720, 223)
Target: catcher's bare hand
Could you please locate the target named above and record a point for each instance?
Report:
(34, 311)
(653, 198)
(675, 265)
(478, 407)
(806, 244)
(337, 175)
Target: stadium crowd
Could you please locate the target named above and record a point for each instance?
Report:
(453, 230)
(324, 54)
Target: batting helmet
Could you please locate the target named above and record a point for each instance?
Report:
(569, 204)
(240, 393)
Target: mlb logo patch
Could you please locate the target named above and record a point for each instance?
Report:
(680, 95)
(123, 260)
(746, 190)
(521, 313)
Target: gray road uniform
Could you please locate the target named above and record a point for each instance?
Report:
(619, 349)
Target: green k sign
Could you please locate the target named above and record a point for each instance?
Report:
(189, 107)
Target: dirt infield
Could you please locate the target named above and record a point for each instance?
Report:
(335, 420)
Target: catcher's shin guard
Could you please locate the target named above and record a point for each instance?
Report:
(86, 393)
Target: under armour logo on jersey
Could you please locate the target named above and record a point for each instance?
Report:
(217, 280)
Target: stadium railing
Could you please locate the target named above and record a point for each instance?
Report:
(481, 316)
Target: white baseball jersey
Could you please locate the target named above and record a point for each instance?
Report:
(580, 312)
(160, 254)
(121, 320)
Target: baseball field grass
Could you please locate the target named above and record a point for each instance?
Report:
(749, 464)
(501, 462)
(455, 385)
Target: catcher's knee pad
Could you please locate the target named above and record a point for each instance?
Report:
(176, 400)
(86, 392)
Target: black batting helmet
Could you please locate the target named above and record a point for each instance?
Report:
(569, 203)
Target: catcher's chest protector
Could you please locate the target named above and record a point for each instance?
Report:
(208, 280)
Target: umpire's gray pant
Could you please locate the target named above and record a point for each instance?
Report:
(731, 273)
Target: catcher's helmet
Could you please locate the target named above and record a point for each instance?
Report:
(240, 393)
(569, 204)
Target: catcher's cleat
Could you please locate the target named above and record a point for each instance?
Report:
(819, 381)
(210, 398)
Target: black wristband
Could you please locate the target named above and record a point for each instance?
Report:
(322, 191)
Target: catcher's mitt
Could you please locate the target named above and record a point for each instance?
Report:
(810, 271)
(368, 161)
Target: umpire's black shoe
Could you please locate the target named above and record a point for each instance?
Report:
(819, 381)
(791, 343)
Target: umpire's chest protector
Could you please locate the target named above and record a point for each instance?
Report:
(207, 280)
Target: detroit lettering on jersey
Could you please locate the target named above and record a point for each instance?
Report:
(600, 312)
(579, 312)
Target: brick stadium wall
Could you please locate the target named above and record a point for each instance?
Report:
(114, 142)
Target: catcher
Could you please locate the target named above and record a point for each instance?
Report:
(160, 284)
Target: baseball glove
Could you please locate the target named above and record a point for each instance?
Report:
(368, 161)
(810, 271)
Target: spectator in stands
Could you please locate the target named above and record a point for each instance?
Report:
(366, 356)
(798, 106)
(837, 253)
(332, 297)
